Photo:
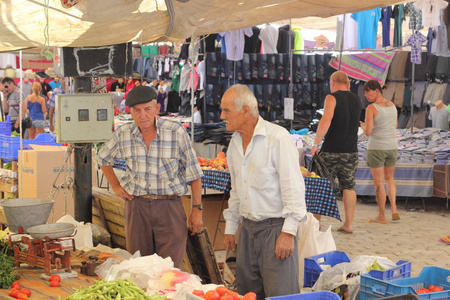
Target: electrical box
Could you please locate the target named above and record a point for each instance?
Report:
(84, 118)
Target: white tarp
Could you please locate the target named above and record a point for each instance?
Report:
(107, 22)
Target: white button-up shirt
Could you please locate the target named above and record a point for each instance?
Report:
(266, 181)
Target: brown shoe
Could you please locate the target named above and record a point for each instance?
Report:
(395, 216)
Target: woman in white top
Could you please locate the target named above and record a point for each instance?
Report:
(381, 127)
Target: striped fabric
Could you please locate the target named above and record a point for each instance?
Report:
(365, 66)
(412, 180)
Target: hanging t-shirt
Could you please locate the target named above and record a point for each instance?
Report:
(299, 41)
(430, 11)
(415, 16)
(439, 43)
(398, 14)
(349, 32)
(201, 74)
(416, 40)
(386, 14)
(235, 42)
(269, 37)
(367, 27)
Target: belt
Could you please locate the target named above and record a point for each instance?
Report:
(160, 197)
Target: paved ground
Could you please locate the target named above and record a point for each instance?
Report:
(413, 238)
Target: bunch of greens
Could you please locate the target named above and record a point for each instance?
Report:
(118, 289)
(8, 271)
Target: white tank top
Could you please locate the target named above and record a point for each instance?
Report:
(384, 133)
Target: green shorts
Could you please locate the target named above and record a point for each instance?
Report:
(381, 158)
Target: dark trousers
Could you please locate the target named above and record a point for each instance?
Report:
(156, 226)
(257, 269)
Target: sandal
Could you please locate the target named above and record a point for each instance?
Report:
(395, 216)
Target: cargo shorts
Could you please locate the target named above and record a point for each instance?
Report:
(343, 166)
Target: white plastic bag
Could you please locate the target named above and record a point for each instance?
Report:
(312, 241)
(83, 236)
(337, 275)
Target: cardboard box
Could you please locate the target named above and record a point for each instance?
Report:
(38, 169)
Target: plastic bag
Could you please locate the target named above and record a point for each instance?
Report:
(347, 275)
(83, 236)
(312, 241)
(317, 166)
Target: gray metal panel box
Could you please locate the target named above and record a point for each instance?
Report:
(84, 118)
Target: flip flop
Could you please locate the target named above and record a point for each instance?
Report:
(340, 229)
(395, 216)
(445, 239)
(373, 220)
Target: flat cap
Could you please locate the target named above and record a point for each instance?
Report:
(140, 94)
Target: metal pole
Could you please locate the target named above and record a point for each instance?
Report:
(291, 75)
(413, 70)
(83, 166)
(192, 88)
(341, 46)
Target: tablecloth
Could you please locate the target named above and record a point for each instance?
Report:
(412, 180)
(319, 195)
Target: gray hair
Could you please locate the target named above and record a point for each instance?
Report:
(244, 96)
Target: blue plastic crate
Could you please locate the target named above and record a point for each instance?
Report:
(402, 270)
(5, 127)
(313, 265)
(372, 288)
(10, 145)
(322, 295)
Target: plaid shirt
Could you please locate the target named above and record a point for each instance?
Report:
(415, 16)
(164, 169)
(416, 41)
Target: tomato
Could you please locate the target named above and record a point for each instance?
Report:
(54, 277)
(221, 290)
(27, 292)
(226, 297)
(54, 283)
(198, 293)
(234, 295)
(249, 296)
(430, 287)
(12, 292)
(435, 289)
(22, 296)
(16, 285)
(422, 291)
(439, 288)
(212, 295)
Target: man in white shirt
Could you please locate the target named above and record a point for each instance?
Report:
(267, 197)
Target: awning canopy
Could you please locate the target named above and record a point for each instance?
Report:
(99, 22)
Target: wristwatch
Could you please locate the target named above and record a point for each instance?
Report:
(199, 206)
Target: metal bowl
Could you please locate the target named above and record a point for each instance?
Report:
(26, 212)
(52, 231)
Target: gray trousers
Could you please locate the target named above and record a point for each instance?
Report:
(156, 226)
(257, 269)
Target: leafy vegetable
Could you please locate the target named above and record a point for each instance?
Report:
(117, 289)
(8, 271)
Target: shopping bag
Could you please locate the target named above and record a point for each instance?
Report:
(317, 166)
(312, 241)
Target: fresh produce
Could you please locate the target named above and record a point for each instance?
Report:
(8, 271)
(54, 277)
(219, 163)
(117, 289)
(223, 293)
(26, 292)
(306, 173)
(54, 283)
(173, 277)
(430, 289)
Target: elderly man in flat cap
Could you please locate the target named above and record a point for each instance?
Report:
(160, 161)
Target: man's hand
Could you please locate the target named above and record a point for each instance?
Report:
(120, 191)
(195, 221)
(229, 241)
(284, 247)
(314, 150)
